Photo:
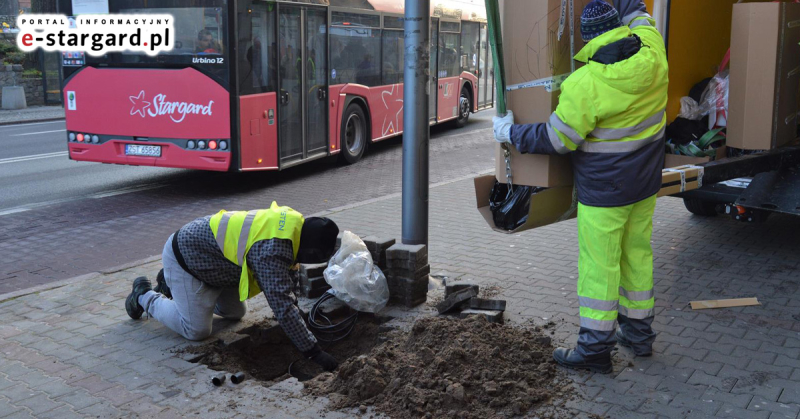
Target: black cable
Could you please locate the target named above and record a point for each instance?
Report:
(324, 328)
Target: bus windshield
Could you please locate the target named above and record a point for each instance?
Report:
(200, 39)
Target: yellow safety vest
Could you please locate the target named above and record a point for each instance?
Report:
(237, 231)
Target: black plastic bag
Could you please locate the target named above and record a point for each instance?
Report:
(510, 210)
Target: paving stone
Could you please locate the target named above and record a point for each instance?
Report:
(92, 384)
(38, 404)
(728, 411)
(738, 400)
(701, 378)
(487, 304)
(629, 401)
(451, 288)
(312, 270)
(692, 403)
(618, 412)
(455, 300)
(778, 371)
(493, 316)
(604, 381)
(711, 368)
(649, 381)
(678, 374)
(119, 395)
(788, 410)
(589, 407)
(55, 388)
(63, 412)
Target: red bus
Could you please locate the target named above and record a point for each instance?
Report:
(266, 85)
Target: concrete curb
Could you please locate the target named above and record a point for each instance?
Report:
(31, 121)
(76, 279)
(108, 271)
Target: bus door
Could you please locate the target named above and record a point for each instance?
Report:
(303, 81)
(433, 90)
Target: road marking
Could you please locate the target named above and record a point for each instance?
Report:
(33, 157)
(31, 124)
(35, 133)
(98, 195)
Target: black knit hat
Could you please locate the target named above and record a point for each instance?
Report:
(598, 18)
(317, 240)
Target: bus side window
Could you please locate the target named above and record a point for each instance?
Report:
(356, 48)
(393, 50)
(258, 56)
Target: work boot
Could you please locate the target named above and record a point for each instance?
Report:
(572, 359)
(161, 285)
(638, 350)
(140, 286)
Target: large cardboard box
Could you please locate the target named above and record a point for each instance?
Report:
(539, 40)
(675, 160)
(764, 76)
(555, 204)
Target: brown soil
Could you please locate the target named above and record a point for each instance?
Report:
(450, 368)
(267, 353)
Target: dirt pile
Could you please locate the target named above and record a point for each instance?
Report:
(447, 367)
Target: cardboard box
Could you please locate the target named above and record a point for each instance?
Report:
(764, 76)
(547, 207)
(545, 171)
(554, 205)
(536, 46)
(675, 160)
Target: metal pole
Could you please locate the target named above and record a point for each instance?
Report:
(416, 126)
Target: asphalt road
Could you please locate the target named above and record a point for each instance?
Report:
(35, 169)
(60, 218)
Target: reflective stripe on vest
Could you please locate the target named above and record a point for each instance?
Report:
(620, 133)
(237, 231)
(621, 146)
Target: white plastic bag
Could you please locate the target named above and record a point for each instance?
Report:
(690, 109)
(714, 101)
(354, 277)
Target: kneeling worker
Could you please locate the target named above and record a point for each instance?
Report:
(611, 118)
(215, 263)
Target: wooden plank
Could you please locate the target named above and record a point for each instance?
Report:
(736, 302)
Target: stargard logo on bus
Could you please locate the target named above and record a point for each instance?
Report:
(160, 106)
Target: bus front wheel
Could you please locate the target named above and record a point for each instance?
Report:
(354, 134)
(464, 108)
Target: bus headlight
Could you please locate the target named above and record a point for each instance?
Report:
(201, 144)
(71, 136)
(190, 145)
(223, 145)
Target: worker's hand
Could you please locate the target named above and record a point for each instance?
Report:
(502, 127)
(325, 360)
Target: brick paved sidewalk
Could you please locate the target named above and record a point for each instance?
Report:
(73, 352)
(31, 114)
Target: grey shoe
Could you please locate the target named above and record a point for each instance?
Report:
(571, 359)
(644, 349)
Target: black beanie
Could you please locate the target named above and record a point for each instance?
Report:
(317, 240)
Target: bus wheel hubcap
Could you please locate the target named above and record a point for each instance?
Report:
(464, 107)
(353, 134)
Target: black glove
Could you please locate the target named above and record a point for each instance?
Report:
(325, 360)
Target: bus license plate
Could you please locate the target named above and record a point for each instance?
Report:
(143, 150)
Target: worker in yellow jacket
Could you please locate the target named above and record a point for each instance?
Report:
(611, 118)
(214, 264)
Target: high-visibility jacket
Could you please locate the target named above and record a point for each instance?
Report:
(237, 231)
(611, 116)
